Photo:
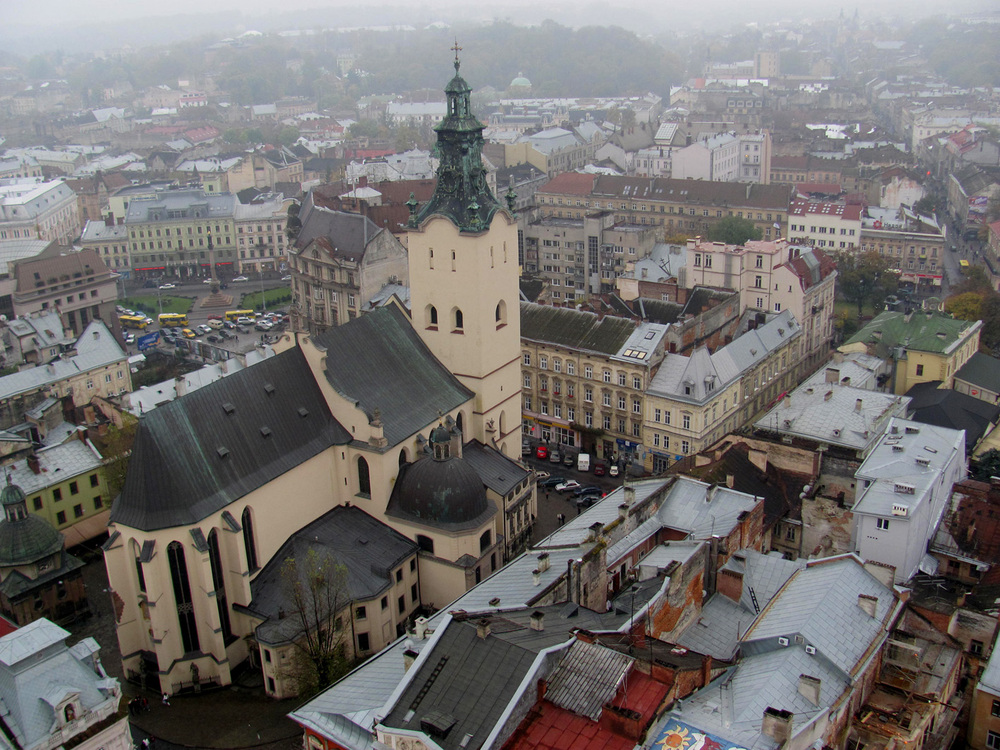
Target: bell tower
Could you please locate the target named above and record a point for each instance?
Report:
(464, 275)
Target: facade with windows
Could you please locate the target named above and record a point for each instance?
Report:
(33, 209)
(338, 263)
(824, 224)
(584, 379)
(578, 257)
(914, 245)
(110, 241)
(673, 206)
(170, 233)
(65, 485)
(693, 401)
(984, 716)
(260, 233)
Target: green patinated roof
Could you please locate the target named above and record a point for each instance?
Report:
(920, 331)
(461, 194)
(574, 329)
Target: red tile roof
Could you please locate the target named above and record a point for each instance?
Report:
(549, 727)
(571, 183)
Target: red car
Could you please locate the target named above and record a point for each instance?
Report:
(599, 470)
(542, 452)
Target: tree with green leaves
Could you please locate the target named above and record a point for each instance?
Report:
(988, 465)
(116, 447)
(316, 591)
(865, 277)
(733, 231)
(965, 306)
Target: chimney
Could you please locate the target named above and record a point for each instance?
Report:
(543, 562)
(857, 405)
(777, 724)
(730, 479)
(537, 621)
(420, 628)
(629, 495)
(788, 401)
(623, 511)
(409, 656)
(828, 395)
(867, 604)
(97, 335)
(483, 629)
(109, 220)
(809, 688)
(536, 577)
(34, 465)
(832, 375)
(706, 669)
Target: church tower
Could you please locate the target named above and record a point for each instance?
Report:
(464, 276)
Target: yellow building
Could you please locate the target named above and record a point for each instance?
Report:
(923, 346)
(169, 234)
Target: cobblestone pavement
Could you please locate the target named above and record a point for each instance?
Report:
(236, 717)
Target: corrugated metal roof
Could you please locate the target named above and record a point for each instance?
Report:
(574, 329)
(587, 677)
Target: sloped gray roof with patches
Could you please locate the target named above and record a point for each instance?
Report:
(574, 329)
(196, 455)
(498, 472)
(380, 362)
(587, 677)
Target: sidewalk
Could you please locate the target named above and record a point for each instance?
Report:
(229, 718)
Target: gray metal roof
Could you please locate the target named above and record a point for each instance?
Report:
(57, 464)
(467, 689)
(856, 369)
(175, 205)
(981, 370)
(37, 671)
(831, 413)
(196, 455)
(703, 510)
(911, 455)
(379, 361)
(348, 232)
(368, 549)
(499, 473)
(95, 348)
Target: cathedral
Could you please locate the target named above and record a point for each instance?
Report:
(394, 436)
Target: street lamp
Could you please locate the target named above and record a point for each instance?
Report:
(263, 299)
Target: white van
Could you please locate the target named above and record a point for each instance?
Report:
(583, 462)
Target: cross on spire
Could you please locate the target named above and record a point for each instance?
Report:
(456, 49)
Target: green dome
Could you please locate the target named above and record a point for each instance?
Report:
(24, 538)
(520, 81)
(11, 494)
(440, 434)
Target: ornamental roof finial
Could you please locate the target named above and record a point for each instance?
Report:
(456, 49)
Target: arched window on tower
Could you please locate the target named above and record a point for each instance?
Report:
(137, 556)
(425, 543)
(501, 314)
(248, 540)
(402, 457)
(364, 478)
(485, 541)
(182, 597)
(70, 713)
(432, 316)
(459, 320)
(458, 422)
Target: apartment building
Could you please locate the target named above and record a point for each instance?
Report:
(914, 244)
(773, 277)
(690, 207)
(170, 233)
(110, 241)
(726, 157)
(693, 401)
(825, 224)
(584, 378)
(38, 210)
(260, 233)
(584, 256)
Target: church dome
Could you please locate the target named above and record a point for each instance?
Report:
(442, 492)
(24, 538)
(521, 82)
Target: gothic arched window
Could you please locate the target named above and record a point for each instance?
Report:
(182, 597)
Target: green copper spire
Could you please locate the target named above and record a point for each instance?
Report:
(461, 194)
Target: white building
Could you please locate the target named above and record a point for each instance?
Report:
(52, 694)
(834, 226)
(38, 210)
(903, 487)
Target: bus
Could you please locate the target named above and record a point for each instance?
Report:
(963, 266)
(179, 320)
(132, 321)
(234, 314)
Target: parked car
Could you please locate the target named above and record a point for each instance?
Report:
(600, 470)
(567, 486)
(203, 329)
(243, 320)
(168, 286)
(542, 452)
(263, 325)
(614, 470)
(588, 489)
(568, 459)
(130, 338)
(188, 333)
(216, 324)
(228, 325)
(554, 456)
(585, 501)
(207, 281)
(550, 482)
(212, 338)
(525, 449)
(241, 278)
(540, 475)
(286, 278)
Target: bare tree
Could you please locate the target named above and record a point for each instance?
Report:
(317, 593)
